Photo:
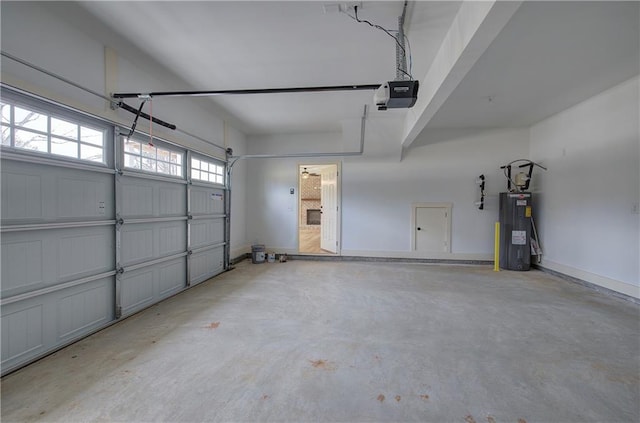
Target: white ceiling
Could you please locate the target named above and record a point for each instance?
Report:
(549, 56)
(265, 44)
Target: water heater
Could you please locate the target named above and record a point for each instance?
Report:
(515, 230)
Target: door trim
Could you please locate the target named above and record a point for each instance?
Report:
(414, 207)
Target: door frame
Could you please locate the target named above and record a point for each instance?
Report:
(338, 165)
(415, 206)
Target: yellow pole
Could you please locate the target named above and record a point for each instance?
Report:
(496, 249)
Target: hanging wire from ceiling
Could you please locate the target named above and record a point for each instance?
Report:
(389, 32)
(151, 121)
(410, 57)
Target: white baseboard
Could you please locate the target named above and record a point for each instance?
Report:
(612, 284)
(279, 250)
(395, 254)
(240, 251)
(418, 255)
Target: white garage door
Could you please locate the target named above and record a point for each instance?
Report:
(151, 230)
(58, 241)
(85, 240)
(207, 218)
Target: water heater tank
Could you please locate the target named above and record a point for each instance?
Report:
(515, 230)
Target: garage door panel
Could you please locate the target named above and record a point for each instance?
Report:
(149, 241)
(81, 198)
(137, 200)
(207, 232)
(172, 238)
(25, 270)
(87, 251)
(40, 259)
(95, 301)
(172, 278)
(206, 264)
(137, 243)
(22, 332)
(143, 198)
(206, 200)
(172, 200)
(142, 287)
(21, 196)
(84, 308)
(32, 326)
(136, 290)
(69, 194)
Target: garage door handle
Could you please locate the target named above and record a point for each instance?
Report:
(419, 229)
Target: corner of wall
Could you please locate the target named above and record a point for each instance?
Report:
(587, 197)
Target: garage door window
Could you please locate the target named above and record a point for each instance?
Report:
(202, 170)
(150, 158)
(30, 129)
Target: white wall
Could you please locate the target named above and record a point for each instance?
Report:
(272, 217)
(33, 34)
(239, 244)
(586, 198)
(66, 44)
(377, 196)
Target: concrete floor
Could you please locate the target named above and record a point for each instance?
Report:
(316, 341)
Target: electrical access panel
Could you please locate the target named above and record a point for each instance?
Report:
(515, 230)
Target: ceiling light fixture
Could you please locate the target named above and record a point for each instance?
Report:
(305, 174)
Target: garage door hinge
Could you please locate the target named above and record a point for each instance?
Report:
(119, 270)
(119, 221)
(189, 252)
(118, 312)
(189, 216)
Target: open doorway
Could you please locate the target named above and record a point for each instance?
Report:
(318, 205)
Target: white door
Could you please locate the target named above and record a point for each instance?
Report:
(329, 217)
(432, 229)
